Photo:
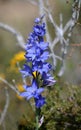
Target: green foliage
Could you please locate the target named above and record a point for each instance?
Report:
(25, 124)
(63, 111)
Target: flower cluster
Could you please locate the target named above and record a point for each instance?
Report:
(36, 64)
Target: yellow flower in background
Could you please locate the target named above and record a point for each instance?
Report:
(21, 89)
(17, 58)
(2, 76)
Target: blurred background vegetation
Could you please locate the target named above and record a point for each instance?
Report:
(62, 111)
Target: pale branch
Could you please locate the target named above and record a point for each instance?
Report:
(3, 113)
(59, 36)
(72, 21)
(50, 17)
(60, 73)
(41, 5)
(18, 36)
(75, 15)
(33, 2)
(54, 42)
(60, 32)
(3, 125)
(10, 85)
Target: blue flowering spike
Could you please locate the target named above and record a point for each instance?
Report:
(39, 30)
(43, 45)
(32, 91)
(41, 67)
(36, 56)
(26, 71)
(40, 101)
(37, 20)
(48, 79)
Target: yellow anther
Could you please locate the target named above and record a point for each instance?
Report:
(35, 74)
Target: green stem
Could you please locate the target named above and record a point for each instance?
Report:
(37, 123)
(37, 118)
